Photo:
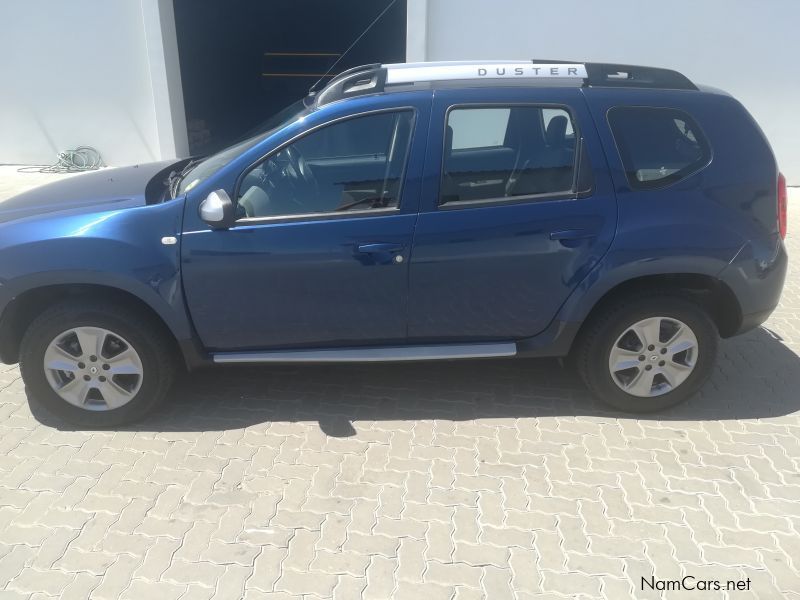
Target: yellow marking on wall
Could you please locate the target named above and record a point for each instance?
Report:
(295, 75)
(300, 54)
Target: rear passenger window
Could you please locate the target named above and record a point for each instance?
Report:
(504, 153)
(484, 128)
(658, 146)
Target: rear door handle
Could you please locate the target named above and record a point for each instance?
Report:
(380, 247)
(572, 234)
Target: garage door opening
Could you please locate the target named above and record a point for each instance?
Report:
(244, 60)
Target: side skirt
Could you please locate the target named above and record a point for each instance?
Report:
(379, 354)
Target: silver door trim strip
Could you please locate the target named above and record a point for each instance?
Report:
(381, 354)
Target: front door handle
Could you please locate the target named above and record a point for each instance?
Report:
(380, 247)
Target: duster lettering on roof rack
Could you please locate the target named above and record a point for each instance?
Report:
(537, 71)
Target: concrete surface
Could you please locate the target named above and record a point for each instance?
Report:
(494, 479)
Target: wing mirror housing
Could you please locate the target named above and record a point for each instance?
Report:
(217, 210)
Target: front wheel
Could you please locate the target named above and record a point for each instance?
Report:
(648, 353)
(95, 365)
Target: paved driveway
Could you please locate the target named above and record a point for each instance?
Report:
(495, 479)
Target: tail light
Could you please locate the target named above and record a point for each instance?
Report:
(783, 198)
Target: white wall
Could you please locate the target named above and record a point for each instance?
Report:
(89, 72)
(751, 48)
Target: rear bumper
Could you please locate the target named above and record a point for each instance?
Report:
(756, 277)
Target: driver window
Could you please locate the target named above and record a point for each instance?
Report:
(353, 165)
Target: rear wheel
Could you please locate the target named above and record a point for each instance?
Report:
(96, 365)
(648, 353)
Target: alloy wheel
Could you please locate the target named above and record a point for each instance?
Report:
(653, 356)
(93, 368)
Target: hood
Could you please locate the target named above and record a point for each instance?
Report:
(109, 189)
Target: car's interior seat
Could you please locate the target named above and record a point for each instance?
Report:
(256, 202)
(556, 137)
(449, 191)
(548, 162)
(561, 154)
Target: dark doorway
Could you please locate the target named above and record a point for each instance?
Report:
(244, 60)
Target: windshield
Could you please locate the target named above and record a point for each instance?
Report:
(208, 166)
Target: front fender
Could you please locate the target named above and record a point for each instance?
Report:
(119, 249)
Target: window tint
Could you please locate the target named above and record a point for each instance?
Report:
(658, 146)
(357, 164)
(357, 137)
(505, 153)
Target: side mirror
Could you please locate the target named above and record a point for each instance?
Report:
(217, 209)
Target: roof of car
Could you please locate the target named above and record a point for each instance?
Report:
(377, 78)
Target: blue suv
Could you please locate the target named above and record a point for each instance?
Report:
(620, 216)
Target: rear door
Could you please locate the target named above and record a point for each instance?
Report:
(517, 209)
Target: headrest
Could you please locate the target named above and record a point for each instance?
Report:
(557, 131)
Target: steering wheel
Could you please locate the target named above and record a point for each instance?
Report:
(298, 168)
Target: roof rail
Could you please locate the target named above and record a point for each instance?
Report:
(375, 78)
(614, 75)
(366, 79)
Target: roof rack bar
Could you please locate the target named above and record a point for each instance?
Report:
(374, 78)
(358, 69)
(616, 75)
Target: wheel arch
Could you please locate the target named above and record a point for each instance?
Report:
(27, 305)
(709, 292)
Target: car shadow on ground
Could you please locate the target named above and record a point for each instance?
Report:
(757, 376)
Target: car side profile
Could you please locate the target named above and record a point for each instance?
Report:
(619, 216)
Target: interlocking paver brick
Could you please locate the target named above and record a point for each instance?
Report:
(116, 578)
(411, 560)
(51, 582)
(371, 545)
(163, 590)
(267, 568)
(340, 563)
(363, 516)
(81, 587)
(195, 541)
(439, 539)
(496, 583)
(301, 583)
(221, 553)
(53, 548)
(185, 572)
(401, 528)
(79, 561)
(349, 587)
(429, 591)
(231, 583)
(380, 578)
(453, 574)
(157, 559)
(463, 480)
(508, 536)
(480, 555)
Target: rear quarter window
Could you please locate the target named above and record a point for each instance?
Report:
(658, 146)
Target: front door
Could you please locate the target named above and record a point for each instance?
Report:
(319, 255)
(518, 209)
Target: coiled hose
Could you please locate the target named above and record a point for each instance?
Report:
(82, 158)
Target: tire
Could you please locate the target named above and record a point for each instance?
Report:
(615, 329)
(134, 395)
